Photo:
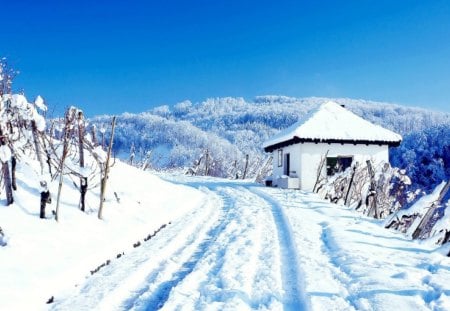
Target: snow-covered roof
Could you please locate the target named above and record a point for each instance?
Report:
(331, 123)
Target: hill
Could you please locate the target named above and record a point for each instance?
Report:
(229, 128)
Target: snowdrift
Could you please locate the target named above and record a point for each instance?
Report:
(41, 256)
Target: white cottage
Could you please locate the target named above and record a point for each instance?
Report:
(297, 150)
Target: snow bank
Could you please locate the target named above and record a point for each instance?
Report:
(43, 257)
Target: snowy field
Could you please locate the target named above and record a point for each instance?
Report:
(227, 245)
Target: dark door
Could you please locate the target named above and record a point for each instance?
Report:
(287, 164)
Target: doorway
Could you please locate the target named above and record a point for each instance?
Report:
(287, 164)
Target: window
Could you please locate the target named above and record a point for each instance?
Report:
(338, 164)
(280, 157)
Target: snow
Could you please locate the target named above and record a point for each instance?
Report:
(420, 207)
(39, 102)
(43, 258)
(226, 245)
(331, 121)
(100, 154)
(40, 122)
(19, 101)
(5, 153)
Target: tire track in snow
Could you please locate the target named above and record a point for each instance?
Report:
(138, 271)
(321, 257)
(159, 296)
(225, 253)
(340, 271)
(240, 270)
(291, 273)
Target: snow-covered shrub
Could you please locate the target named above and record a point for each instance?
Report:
(425, 155)
(377, 196)
(426, 218)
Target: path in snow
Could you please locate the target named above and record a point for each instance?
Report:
(234, 252)
(248, 247)
(352, 263)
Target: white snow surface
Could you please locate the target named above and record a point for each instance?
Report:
(331, 121)
(39, 102)
(5, 153)
(230, 245)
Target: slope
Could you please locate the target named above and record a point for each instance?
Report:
(233, 127)
(42, 257)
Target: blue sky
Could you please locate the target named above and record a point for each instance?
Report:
(116, 56)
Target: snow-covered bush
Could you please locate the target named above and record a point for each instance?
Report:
(377, 196)
(425, 155)
(426, 218)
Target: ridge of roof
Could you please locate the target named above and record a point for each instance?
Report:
(332, 122)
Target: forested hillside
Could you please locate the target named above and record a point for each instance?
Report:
(227, 129)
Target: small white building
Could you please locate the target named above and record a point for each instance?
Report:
(330, 130)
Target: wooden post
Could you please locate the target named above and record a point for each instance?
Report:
(105, 178)
(430, 212)
(371, 197)
(346, 202)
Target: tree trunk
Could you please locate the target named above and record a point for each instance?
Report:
(319, 171)
(207, 162)
(105, 178)
(132, 154)
(13, 172)
(83, 180)
(67, 133)
(47, 153)
(94, 135)
(36, 144)
(45, 198)
(263, 171)
(245, 167)
(83, 191)
(8, 186)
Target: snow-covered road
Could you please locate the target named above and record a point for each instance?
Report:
(248, 247)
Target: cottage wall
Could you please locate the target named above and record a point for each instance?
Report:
(294, 152)
(311, 154)
(305, 159)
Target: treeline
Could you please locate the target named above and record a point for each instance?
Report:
(232, 128)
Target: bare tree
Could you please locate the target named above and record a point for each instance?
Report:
(34, 130)
(320, 178)
(68, 119)
(106, 170)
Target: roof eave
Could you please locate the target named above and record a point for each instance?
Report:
(296, 140)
